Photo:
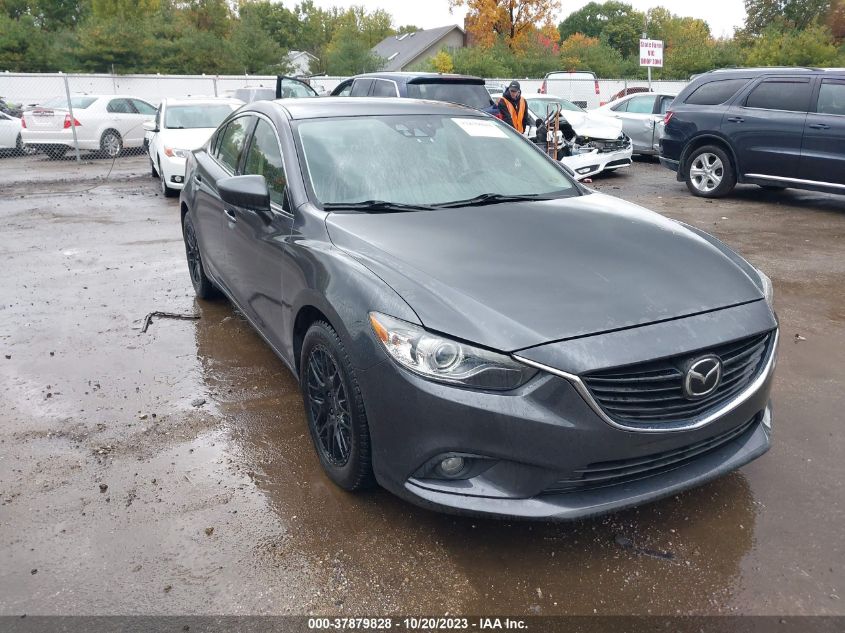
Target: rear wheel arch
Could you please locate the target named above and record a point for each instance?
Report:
(701, 141)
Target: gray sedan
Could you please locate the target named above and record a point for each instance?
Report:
(493, 339)
(640, 114)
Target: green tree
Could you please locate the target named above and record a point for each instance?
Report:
(124, 9)
(483, 61)
(255, 51)
(442, 62)
(407, 28)
(784, 14)
(615, 23)
(579, 52)
(281, 23)
(811, 47)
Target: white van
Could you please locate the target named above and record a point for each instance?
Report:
(581, 87)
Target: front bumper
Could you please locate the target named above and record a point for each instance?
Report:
(173, 171)
(535, 437)
(591, 163)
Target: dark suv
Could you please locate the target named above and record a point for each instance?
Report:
(462, 89)
(773, 127)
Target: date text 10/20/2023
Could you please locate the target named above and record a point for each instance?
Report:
(416, 624)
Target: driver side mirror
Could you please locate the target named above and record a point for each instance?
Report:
(247, 192)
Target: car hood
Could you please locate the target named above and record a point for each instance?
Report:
(589, 124)
(515, 275)
(186, 139)
(593, 125)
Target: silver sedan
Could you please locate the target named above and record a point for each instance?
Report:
(640, 114)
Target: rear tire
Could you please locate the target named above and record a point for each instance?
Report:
(709, 172)
(204, 288)
(111, 144)
(334, 409)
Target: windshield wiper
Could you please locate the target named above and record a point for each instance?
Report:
(494, 198)
(375, 206)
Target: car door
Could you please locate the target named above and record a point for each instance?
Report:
(385, 88)
(221, 160)
(343, 89)
(766, 125)
(257, 241)
(121, 116)
(154, 137)
(638, 120)
(823, 149)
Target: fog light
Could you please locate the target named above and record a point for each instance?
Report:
(583, 170)
(452, 466)
(177, 178)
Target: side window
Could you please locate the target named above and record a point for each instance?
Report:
(831, 97)
(665, 102)
(641, 105)
(232, 142)
(265, 159)
(143, 107)
(715, 92)
(774, 94)
(120, 106)
(620, 107)
(384, 88)
(361, 87)
(345, 91)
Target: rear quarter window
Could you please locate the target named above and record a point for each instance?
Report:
(715, 92)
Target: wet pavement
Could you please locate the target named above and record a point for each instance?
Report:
(171, 471)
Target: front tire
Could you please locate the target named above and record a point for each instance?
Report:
(709, 172)
(111, 144)
(334, 408)
(204, 288)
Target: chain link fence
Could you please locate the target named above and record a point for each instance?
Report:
(57, 103)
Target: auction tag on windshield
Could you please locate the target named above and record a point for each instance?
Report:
(480, 127)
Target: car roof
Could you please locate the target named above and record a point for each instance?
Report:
(199, 100)
(407, 76)
(325, 107)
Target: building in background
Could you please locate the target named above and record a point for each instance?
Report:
(409, 50)
(301, 63)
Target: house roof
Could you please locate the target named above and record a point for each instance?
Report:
(400, 50)
(294, 54)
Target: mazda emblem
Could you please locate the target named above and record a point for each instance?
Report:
(702, 377)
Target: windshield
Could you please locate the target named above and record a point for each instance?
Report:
(472, 95)
(189, 117)
(78, 103)
(423, 160)
(538, 106)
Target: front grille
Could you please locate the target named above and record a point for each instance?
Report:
(611, 473)
(619, 163)
(610, 146)
(652, 392)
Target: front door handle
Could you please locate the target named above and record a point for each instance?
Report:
(736, 119)
(231, 215)
(819, 126)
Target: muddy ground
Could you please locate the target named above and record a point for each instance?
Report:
(171, 472)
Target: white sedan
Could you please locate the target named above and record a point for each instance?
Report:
(10, 134)
(103, 123)
(588, 143)
(180, 126)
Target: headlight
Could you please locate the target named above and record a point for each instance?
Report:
(768, 289)
(178, 153)
(444, 360)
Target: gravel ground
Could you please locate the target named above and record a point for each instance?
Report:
(170, 472)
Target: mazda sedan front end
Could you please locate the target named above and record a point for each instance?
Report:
(494, 340)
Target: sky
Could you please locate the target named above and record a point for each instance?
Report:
(722, 15)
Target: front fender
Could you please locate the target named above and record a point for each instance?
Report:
(345, 291)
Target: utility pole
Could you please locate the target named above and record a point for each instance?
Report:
(645, 37)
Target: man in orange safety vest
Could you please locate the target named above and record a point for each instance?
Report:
(513, 108)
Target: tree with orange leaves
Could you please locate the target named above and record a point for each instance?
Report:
(514, 20)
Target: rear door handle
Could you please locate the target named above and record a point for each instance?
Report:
(231, 215)
(736, 119)
(819, 126)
